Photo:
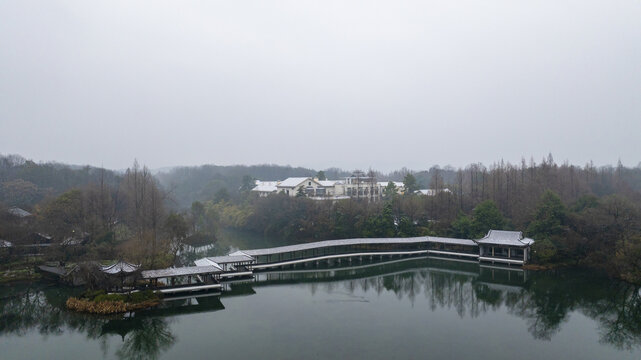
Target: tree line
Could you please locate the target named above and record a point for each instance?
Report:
(113, 218)
(578, 215)
(584, 216)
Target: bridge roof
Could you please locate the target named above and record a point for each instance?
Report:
(328, 243)
(181, 271)
(452, 241)
(230, 259)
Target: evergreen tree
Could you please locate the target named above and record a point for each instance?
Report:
(487, 216)
(548, 218)
(390, 190)
(462, 227)
(410, 183)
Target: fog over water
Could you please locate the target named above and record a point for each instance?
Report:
(357, 84)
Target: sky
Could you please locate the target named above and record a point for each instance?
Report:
(349, 84)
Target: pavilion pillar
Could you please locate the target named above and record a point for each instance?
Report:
(492, 251)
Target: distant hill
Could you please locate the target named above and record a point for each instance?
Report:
(24, 183)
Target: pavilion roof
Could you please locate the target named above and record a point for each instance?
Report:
(507, 238)
(120, 267)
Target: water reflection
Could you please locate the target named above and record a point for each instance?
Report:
(543, 300)
(144, 338)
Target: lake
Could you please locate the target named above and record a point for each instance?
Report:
(411, 308)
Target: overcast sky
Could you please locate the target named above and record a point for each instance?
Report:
(352, 84)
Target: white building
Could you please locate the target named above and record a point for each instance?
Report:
(357, 186)
(264, 188)
(294, 185)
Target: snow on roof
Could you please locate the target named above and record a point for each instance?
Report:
(451, 241)
(323, 198)
(260, 182)
(396, 183)
(502, 237)
(432, 192)
(326, 243)
(327, 183)
(181, 271)
(293, 181)
(16, 211)
(265, 188)
(120, 267)
(5, 243)
(239, 252)
(204, 262)
(230, 259)
(527, 241)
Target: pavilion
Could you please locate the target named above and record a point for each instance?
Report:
(508, 247)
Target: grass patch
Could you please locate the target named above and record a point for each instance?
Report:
(99, 302)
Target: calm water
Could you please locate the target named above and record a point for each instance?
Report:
(425, 308)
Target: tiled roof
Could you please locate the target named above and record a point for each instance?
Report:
(181, 271)
(16, 211)
(508, 238)
(452, 241)
(326, 243)
(120, 267)
(293, 181)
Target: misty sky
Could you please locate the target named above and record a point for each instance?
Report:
(352, 84)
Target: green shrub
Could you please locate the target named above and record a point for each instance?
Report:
(110, 297)
(141, 296)
(544, 251)
(91, 294)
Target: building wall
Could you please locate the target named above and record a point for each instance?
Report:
(292, 191)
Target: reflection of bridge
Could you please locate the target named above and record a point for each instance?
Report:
(497, 279)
